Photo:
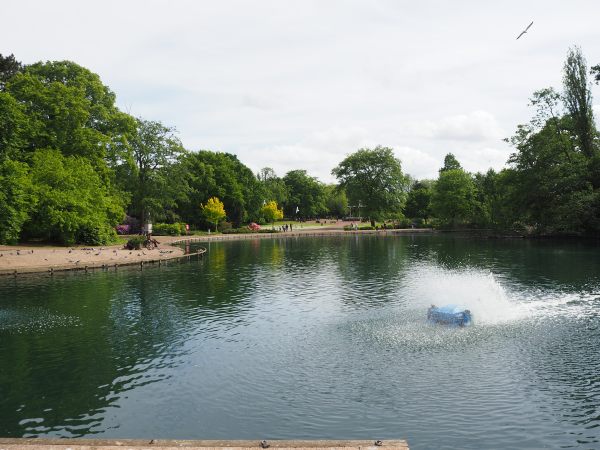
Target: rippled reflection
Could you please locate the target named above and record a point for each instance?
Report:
(313, 338)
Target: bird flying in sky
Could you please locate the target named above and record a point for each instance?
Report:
(525, 30)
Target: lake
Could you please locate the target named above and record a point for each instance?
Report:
(313, 338)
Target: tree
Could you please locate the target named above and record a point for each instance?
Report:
(213, 211)
(270, 212)
(450, 163)
(273, 186)
(9, 67)
(418, 203)
(304, 192)
(578, 100)
(453, 199)
(69, 109)
(548, 173)
(16, 199)
(215, 174)
(73, 204)
(150, 171)
(554, 181)
(14, 127)
(373, 178)
(336, 201)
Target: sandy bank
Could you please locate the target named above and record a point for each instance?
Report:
(25, 259)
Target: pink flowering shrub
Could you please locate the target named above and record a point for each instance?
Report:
(254, 226)
(123, 229)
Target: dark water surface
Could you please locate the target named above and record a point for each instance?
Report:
(314, 338)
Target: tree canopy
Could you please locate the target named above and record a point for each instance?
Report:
(72, 165)
(374, 179)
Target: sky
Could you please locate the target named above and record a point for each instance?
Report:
(302, 84)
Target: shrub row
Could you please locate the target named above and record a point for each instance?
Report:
(168, 229)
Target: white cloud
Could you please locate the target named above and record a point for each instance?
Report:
(318, 153)
(417, 163)
(473, 126)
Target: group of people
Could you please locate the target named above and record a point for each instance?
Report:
(286, 227)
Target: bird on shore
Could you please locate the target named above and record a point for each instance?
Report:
(525, 30)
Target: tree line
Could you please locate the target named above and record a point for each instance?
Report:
(73, 167)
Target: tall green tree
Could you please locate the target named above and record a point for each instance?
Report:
(578, 100)
(305, 193)
(454, 198)
(73, 205)
(555, 173)
(150, 171)
(374, 179)
(69, 109)
(418, 203)
(274, 188)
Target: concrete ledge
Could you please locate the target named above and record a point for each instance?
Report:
(161, 444)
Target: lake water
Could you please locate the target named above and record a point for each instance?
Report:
(306, 338)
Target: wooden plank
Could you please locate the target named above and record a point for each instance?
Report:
(162, 444)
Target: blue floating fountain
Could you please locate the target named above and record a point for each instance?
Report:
(454, 315)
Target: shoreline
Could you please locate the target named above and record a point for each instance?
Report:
(31, 259)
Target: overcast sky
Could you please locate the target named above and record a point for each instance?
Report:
(301, 84)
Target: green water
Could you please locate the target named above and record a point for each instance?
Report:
(313, 338)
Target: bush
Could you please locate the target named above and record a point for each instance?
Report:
(135, 243)
(223, 226)
(123, 229)
(168, 229)
(366, 227)
(95, 235)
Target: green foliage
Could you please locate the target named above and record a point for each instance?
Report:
(336, 201)
(306, 193)
(212, 174)
(135, 242)
(273, 186)
(73, 204)
(418, 203)
(271, 212)
(450, 163)
(150, 171)
(9, 67)
(578, 100)
(16, 200)
(168, 229)
(69, 109)
(213, 211)
(373, 178)
(14, 127)
(453, 200)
